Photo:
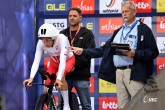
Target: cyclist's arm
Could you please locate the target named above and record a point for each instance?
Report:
(37, 58)
(63, 56)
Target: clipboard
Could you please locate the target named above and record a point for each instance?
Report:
(121, 46)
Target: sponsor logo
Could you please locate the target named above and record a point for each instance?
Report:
(143, 6)
(108, 103)
(55, 7)
(146, 20)
(81, 38)
(160, 5)
(108, 25)
(60, 24)
(149, 99)
(161, 44)
(110, 3)
(109, 6)
(87, 6)
(160, 61)
(160, 24)
(89, 23)
(106, 87)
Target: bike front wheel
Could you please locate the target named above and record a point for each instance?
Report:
(52, 103)
(42, 100)
(45, 102)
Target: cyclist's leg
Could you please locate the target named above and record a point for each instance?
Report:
(64, 90)
(70, 86)
(82, 88)
(52, 69)
(64, 93)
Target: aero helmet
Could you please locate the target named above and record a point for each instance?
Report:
(48, 30)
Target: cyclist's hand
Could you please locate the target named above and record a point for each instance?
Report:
(27, 82)
(60, 84)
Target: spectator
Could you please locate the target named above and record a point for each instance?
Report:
(79, 37)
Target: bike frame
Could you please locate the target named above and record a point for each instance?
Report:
(51, 102)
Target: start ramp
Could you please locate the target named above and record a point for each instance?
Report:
(151, 96)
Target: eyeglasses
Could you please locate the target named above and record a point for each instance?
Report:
(42, 38)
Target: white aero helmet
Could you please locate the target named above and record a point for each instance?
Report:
(48, 30)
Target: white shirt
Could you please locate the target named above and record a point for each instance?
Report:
(60, 49)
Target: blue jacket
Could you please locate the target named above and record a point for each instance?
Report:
(143, 63)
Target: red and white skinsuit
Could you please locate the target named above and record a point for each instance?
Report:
(62, 61)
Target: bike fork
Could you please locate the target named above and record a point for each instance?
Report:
(53, 103)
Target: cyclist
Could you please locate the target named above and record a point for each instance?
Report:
(61, 62)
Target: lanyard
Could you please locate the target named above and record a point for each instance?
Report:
(73, 38)
(125, 38)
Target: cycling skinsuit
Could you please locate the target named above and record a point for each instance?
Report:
(62, 61)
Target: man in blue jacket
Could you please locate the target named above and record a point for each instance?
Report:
(129, 69)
